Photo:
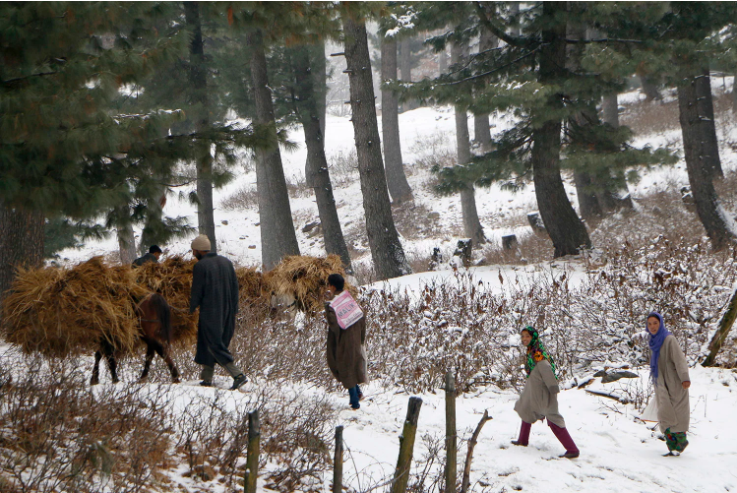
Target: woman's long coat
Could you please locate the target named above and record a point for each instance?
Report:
(539, 398)
(674, 409)
(345, 352)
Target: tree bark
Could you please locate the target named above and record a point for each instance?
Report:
(471, 225)
(386, 249)
(200, 113)
(482, 132)
(21, 244)
(720, 336)
(565, 228)
(405, 67)
(278, 237)
(320, 73)
(316, 170)
(696, 114)
(650, 88)
(126, 241)
(610, 110)
(396, 179)
(734, 94)
(442, 62)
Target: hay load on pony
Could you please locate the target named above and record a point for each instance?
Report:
(60, 311)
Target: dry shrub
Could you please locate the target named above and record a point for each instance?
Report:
(413, 221)
(58, 435)
(343, 166)
(297, 187)
(531, 248)
(56, 310)
(304, 279)
(243, 199)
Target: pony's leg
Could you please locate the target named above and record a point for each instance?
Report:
(96, 369)
(163, 351)
(149, 356)
(111, 363)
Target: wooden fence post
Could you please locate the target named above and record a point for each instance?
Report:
(254, 447)
(406, 446)
(338, 462)
(451, 439)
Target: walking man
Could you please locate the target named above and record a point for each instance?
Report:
(152, 256)
(215, 292)
(346, 338)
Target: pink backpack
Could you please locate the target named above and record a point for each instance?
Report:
(346, 309)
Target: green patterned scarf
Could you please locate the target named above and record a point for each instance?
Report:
(536, 352)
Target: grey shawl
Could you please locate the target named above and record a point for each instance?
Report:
(674, 409)
(539, 398)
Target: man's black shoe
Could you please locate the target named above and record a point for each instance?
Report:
(239, 381)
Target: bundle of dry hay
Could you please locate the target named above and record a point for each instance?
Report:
(56, 311)
(304, 279)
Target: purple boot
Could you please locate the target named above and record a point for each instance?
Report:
(524, 435)
(565, 439)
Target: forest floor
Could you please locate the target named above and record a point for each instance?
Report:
(619, 451)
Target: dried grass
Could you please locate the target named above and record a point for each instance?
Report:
(61, 311)
(57, 310)
(304, 279)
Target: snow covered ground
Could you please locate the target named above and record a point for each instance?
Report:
(619, 452)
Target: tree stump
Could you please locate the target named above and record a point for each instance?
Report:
(509, 242)
(536, 222)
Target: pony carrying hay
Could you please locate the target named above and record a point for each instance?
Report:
(90, 307)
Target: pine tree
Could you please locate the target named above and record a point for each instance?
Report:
(399, 187)
(58, 82)
(680, 39)
(317, 174)
(386, 249)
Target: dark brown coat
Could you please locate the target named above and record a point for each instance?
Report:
(345, 351)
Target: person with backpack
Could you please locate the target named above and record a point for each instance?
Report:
(346, 338)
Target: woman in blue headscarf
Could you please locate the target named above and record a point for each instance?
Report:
(669, 373)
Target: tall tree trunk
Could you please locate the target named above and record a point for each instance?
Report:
(586, 186)
(696, 114)
(405, 67)
(610, 110)
(565, 228)
(320, 73)
(615, 196)
(650, 88)
(316, 170)
(482, 132)
(386, 249)
(471, 225)
(398, 185)
(21, 244)
(278, 237)
(442, 62)
(734, 94)
(200, 112)
(514, 10)
(126, 238)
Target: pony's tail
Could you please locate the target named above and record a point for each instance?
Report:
(163, 310)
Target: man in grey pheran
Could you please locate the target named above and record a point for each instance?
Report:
(215, 292)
